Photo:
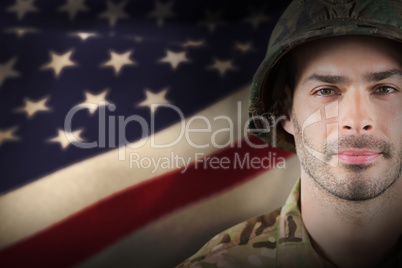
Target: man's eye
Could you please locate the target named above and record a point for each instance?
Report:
(325, 92)
(385, 90)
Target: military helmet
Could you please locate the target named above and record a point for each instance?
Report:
(301, 22)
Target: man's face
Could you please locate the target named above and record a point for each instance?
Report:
(347, 114)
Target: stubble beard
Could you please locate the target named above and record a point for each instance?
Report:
(355, 182)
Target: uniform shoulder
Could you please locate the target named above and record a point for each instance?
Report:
(238, 235)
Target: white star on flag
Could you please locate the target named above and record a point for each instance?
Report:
(6, 70)
(256, 18)
(222, 66)
(8, 135)
(84, 35)
(244, 47)
(66, 138)
(95, 100)
(119, 60)
(22, 7)
(212, 20)
(162, 11)
(191, 43)
(59, 62)
(73, 7)
(175, 58)
(21, 31)
(114, 12)
(32, 107)
(154, 100)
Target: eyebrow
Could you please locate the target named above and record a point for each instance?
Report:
(375, 77)
(331, 79)
(337, 79)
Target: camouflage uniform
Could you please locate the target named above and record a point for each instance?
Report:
(278, 239)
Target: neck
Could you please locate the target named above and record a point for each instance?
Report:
(352, 233)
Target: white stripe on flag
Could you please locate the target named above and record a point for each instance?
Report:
(54, 197)
(180, 234)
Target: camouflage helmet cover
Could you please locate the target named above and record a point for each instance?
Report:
(303, 21)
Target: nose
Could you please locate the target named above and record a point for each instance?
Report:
(355, 113)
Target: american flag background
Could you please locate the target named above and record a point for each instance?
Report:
(82, 79)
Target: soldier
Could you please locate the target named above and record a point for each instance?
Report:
(334, 68)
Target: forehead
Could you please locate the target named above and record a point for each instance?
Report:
(347, 53)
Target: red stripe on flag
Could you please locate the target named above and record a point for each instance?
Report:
(94, 228)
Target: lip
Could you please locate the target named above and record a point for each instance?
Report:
(358, 156)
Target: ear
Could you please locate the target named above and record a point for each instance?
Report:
(287, 124)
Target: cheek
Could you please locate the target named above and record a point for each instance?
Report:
(314, 127)
(393, 128)
(388, 121)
